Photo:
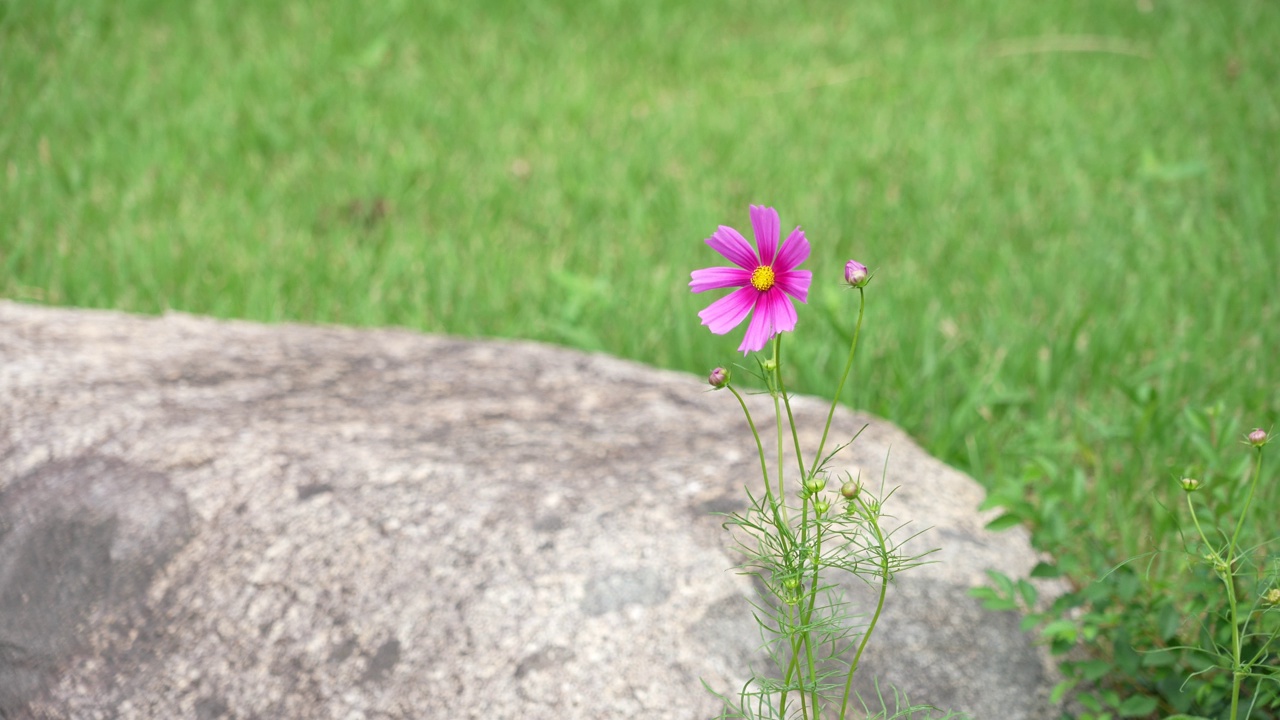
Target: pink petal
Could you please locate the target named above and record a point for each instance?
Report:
(759, 331)
(766, 224)
(729, 243)
(774, 314)
(794, 251)
(795, 283)
(718, 277)
(784, 313)
(724, 314)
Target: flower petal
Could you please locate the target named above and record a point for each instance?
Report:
(730, 243)
(784, 313)
(795, 283)
(794, 251)
(760, 329)
(724, 314)
(718, 277)
(766, 224)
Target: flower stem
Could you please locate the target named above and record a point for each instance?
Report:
(764, 467)
(777, 417)
(875, 618)
(848, 366)
(791, 420)
(1228, 578)
(806, 617)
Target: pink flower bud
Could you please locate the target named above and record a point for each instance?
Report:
(855, 273)
(718, 378)
(1258, 437)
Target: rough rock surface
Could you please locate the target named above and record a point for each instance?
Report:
(205, 519)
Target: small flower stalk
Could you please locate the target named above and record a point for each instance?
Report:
(793, 541)
(1252, 624)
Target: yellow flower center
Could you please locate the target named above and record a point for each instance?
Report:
(762, 278)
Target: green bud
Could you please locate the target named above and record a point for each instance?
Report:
(815, 484)
(821, 507)
(850, 490)
(1190, 484)
(770, 365)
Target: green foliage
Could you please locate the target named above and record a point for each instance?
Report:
(1158, 628)
(813, 639)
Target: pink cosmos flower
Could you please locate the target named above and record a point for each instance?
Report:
(764, 278)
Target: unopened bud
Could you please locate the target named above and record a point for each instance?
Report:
(855, 273)
(821, 506)
(1190, 484)
(815, 484)
(1272, 597)
(1258, 437)
(770, 365)
(718, 378)
(850, 490)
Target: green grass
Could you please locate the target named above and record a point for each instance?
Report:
(1070, 207)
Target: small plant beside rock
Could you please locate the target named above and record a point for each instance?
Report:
(793, 540)
(1185, 633)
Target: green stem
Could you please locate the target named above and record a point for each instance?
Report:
(1196, 521)
(777, 520)
(1228, 579)
(1253, 486)
(784, 536)
(777, 418)
(791, 420)
(807, 617)
(848, 366)
(764, 467)
(884, 589)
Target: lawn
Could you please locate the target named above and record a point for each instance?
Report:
(1070, 207)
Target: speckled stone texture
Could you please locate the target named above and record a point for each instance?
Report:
(205, 519)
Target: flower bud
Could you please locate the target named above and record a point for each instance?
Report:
(1190, 484)
(815, 484)
(1258, 437)
(855, 273)
(770, 365)
(1272, 597)
(718, 378)
(850, 490)
(821, 506)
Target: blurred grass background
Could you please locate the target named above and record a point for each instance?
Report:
(1070, 207)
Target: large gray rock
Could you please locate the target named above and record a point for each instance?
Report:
(204, 519)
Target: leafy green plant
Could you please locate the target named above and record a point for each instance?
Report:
(1183, 632)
